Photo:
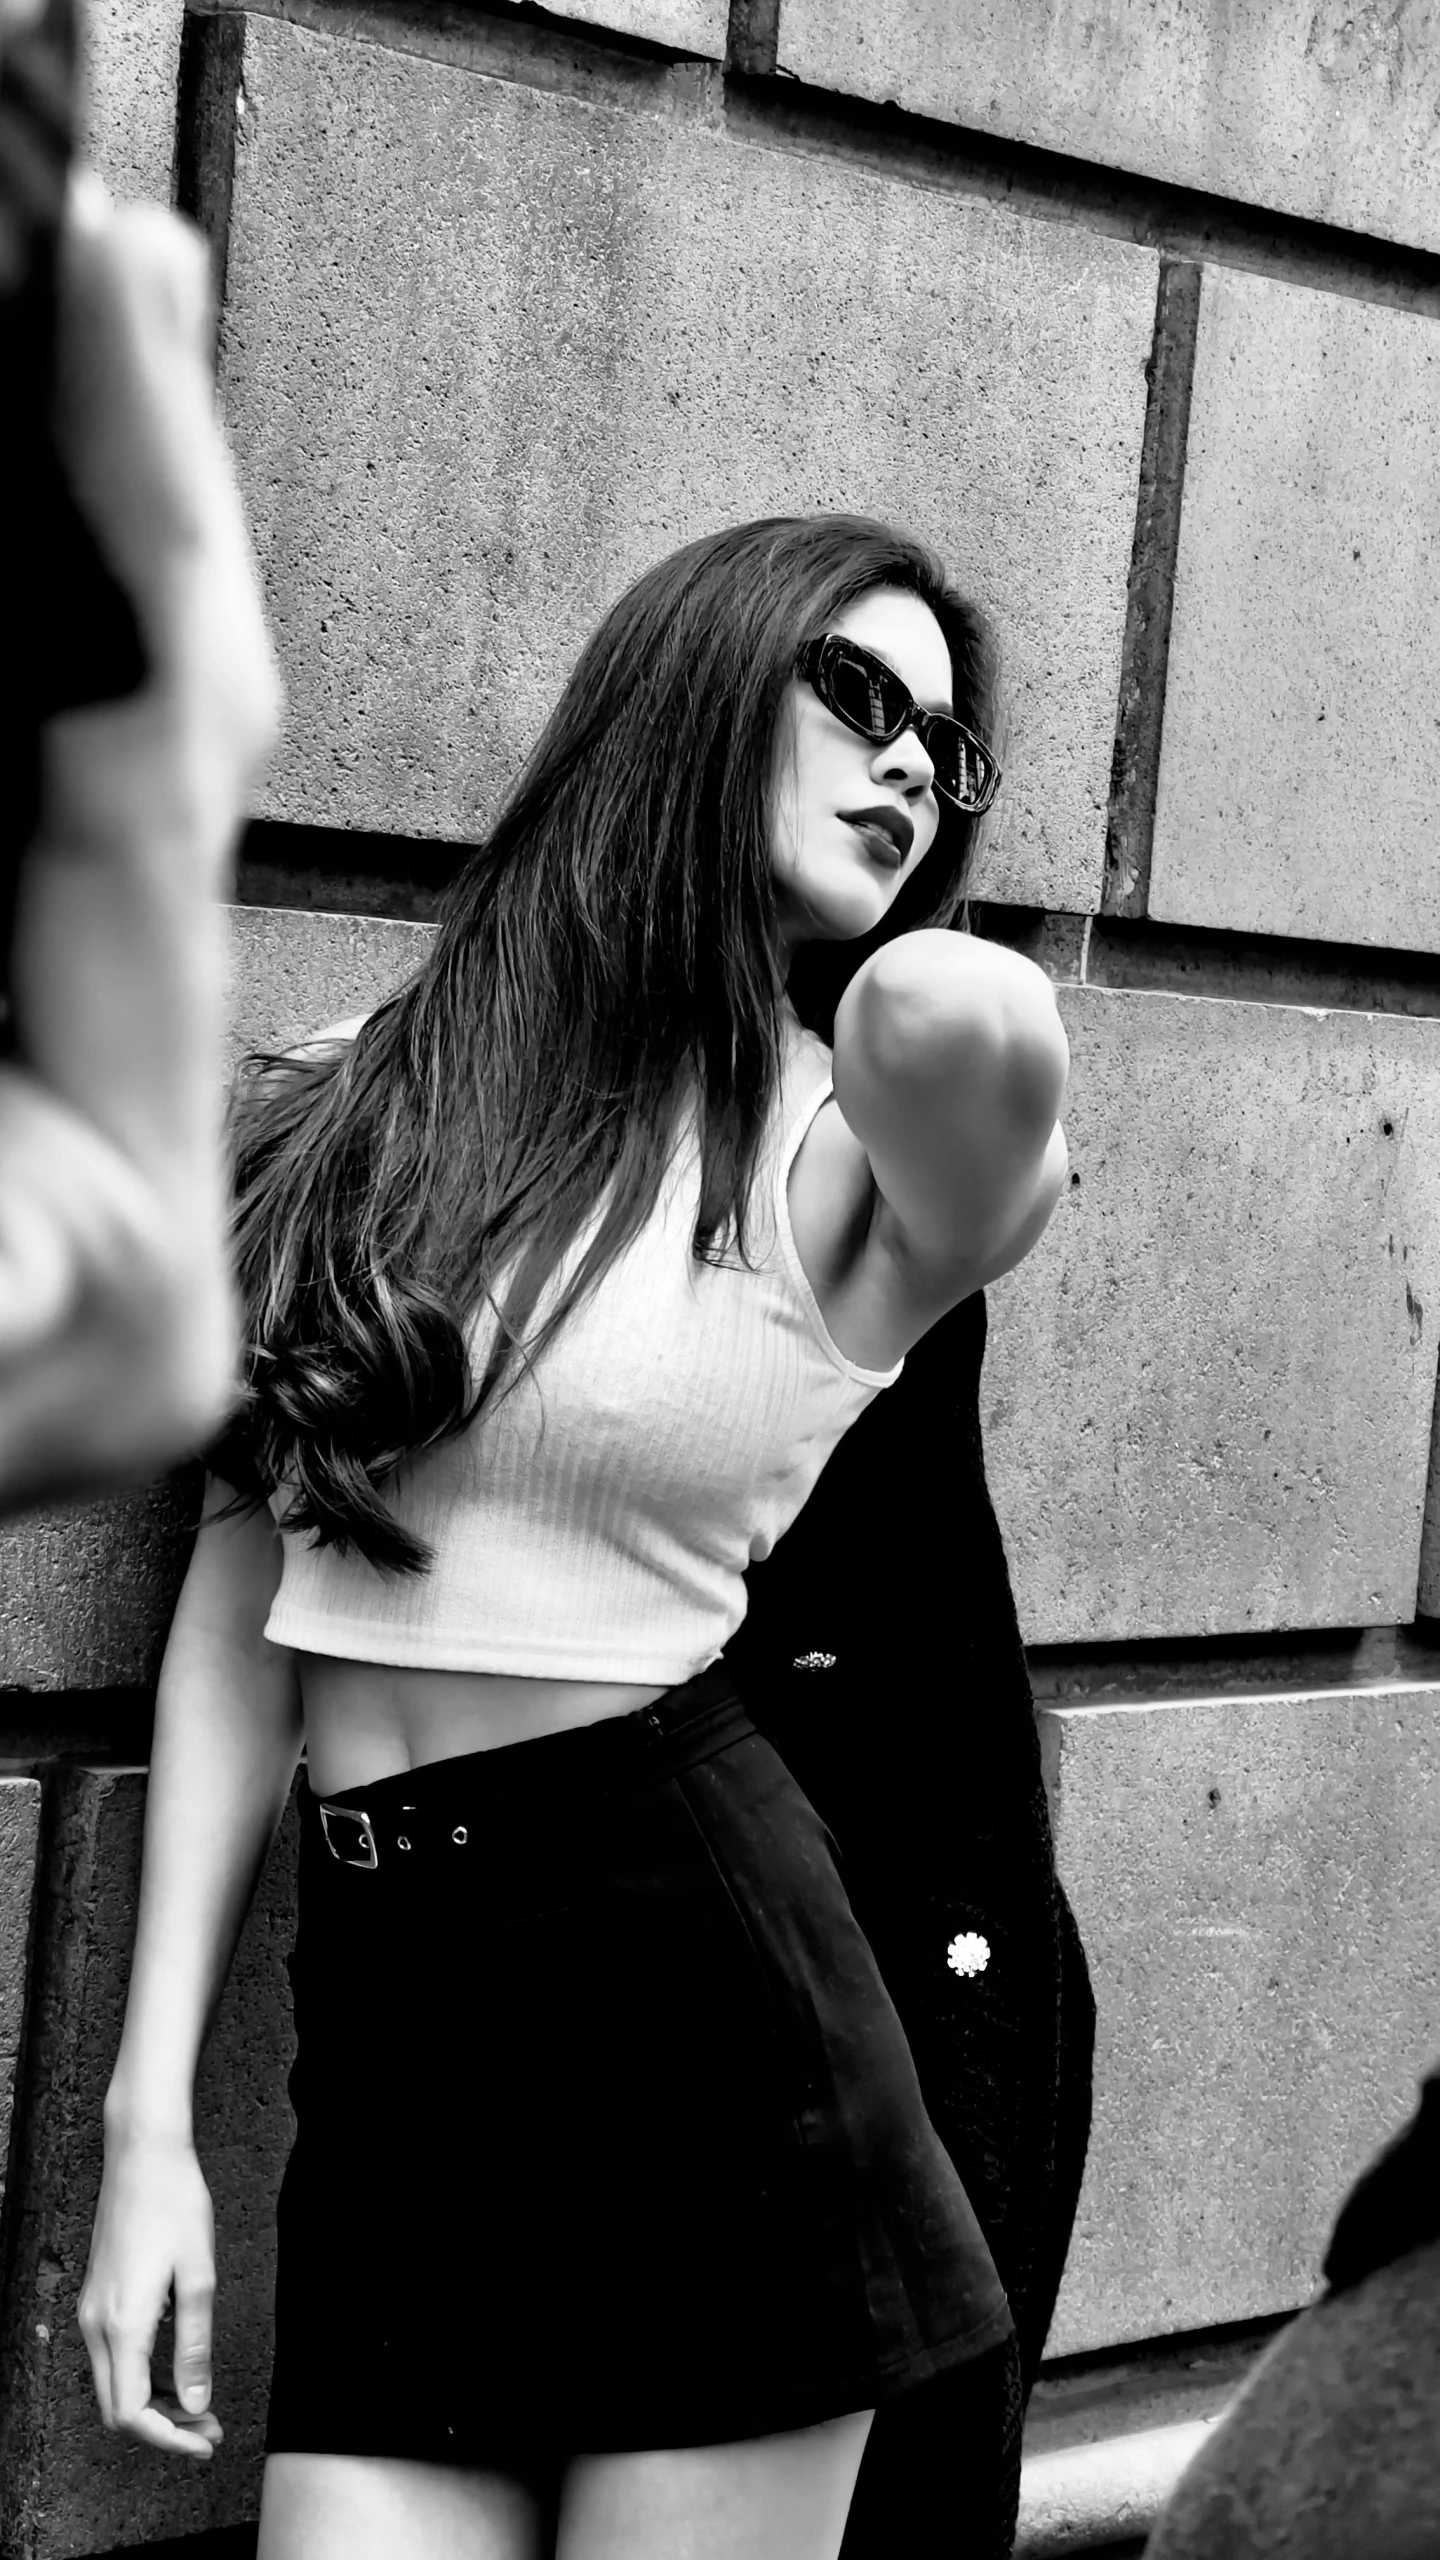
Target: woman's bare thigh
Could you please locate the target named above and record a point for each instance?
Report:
(775, 2498)
(340, 2506)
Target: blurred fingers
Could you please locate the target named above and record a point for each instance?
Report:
(132, 372)
(138, 424)
(138, 428)
(38, 1275)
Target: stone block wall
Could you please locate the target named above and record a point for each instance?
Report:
(1323, 111)
(1134, 315)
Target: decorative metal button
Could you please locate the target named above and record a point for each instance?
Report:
(402, 1842)
(969, 1953)
(813, 1662)
(459, 1835)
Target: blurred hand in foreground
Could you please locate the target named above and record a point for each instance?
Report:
(117, 1326)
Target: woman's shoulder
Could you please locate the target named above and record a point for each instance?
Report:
(273, 1083)
(334, 1036)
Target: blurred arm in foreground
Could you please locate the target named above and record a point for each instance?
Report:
(116, 1322)
(1331, 2451)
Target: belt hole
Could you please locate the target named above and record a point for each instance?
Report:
(460, 1835)
(402, 1842)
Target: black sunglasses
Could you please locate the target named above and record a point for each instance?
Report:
(870, 698)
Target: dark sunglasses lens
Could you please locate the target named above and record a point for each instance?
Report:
(863, 691)
(945, 746)
(962, 768)
(866, 693)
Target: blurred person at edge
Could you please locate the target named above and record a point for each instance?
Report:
(1332, 2449)
(117, 1325)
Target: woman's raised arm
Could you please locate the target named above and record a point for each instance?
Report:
(227, 1739)
(950, 1066)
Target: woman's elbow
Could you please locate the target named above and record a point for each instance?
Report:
(1035, 1067)
(932, 1006)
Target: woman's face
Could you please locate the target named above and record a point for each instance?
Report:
(850, 820)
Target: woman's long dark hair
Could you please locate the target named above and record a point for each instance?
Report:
(607, 951)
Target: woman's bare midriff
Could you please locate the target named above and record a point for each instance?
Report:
(370, 1720)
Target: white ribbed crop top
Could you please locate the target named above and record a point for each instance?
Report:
(687, 1412)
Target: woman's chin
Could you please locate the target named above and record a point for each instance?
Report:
(833, 912)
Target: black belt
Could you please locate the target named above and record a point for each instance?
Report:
(474, 1787)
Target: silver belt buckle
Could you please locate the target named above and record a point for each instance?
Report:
(364, 1852)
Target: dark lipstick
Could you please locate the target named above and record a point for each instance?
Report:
(889, 825)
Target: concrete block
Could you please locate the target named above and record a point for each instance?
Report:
(1137, 2389)
(489, 351)
(1208, 1395)
(131, 56)
(1312, 107)
(1300, 760)
(19, 1846)
(1086, 2497)
(1428, 1595)
(1256, 1885)
(293, 974)
(65, 2486)
(87, 1590)
(682, 26)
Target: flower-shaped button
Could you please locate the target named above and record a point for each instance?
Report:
(969, 1953)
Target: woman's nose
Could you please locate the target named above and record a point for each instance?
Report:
(904, 761)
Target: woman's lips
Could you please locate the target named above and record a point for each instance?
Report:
(879, 843)
(886, 832)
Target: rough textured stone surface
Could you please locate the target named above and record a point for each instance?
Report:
(690, 26)
(1137, 2386)
(86, 1591)
(19, 1842)
(1207, 1400)
(489, 351)
(1101, 2496)
(1314, 107)
(1332, 2448)
(1255, 1881)
(1428, 1596)
(65, 2486)
(131, 51)
(294, 974)
(1300, 761)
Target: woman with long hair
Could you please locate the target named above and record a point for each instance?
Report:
(614, 2211)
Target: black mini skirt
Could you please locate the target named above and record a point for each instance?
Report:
(608, 2134)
